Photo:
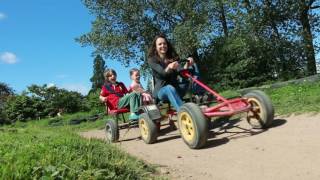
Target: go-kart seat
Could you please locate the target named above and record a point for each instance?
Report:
(113, 110)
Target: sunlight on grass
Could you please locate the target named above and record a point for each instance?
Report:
(59, 154)
(296, 98)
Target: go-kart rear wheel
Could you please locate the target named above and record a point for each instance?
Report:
(261, 113)
(112, 131)
(148, 129)
(193, 125)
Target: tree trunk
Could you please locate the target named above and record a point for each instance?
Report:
(223, 19)
(281, 67)
(307, 38)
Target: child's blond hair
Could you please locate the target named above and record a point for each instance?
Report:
(133, 70)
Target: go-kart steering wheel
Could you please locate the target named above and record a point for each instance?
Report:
(183, 72)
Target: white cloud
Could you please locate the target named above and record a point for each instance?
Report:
(8, 58)
(2, 16)
(76, 87)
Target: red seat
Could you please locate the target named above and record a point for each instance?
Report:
(112, 110)
(119, 111)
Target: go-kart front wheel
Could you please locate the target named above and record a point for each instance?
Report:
(148, 129)
(112, 131)
(261, 113)
(193, 125)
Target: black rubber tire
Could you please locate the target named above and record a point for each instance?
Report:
(262, 113)
(193, 126)
(148, 129)
(112, 131)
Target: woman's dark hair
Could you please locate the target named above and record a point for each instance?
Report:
(171, 52)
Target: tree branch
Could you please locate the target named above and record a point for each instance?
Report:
(315, 7)
(310, 3)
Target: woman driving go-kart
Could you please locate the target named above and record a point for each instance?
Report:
(192, 120)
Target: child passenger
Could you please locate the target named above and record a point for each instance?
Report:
(117, 96)
(137, 87)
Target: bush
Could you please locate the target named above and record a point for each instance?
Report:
(93, 102)
(22, 108)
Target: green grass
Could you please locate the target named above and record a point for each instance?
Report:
(296, 99)
(36, 150)
(230, 94)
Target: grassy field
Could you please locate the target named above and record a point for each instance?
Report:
(52, 149)
(296, 99)
(37, 150)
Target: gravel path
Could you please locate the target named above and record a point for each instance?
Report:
(289, 150)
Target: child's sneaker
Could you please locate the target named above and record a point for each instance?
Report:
(172, 125)
(133, 116)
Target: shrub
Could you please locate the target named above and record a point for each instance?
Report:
(22, 108)
(93, 102)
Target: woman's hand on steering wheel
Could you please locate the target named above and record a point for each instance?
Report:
(190, 62)
(173, 65)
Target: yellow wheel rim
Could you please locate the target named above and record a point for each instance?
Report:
(256, 113)
(144, 130)
(186, 126)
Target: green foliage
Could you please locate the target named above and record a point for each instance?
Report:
(56, 154)
(239, 43)
(234, 64)
(22, 108)
(97, 79)
(57, 99)
(123, 30)
(93, 102)
(120, 30)
(5, 93)
(5, 90)
(42, 101)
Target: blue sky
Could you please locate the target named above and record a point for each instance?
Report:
(37, 45)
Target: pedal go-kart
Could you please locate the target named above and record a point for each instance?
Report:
(193, 119)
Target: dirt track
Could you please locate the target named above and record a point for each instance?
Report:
(289, 150)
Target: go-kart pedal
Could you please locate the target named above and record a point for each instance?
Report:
(133, 123)
(133, 120)
(172, 125)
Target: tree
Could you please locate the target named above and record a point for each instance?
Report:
(305, 7)
(247, 41)
(56, 99)
(23, 108)
(123, 30)
(98, 68)
(5, 93)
